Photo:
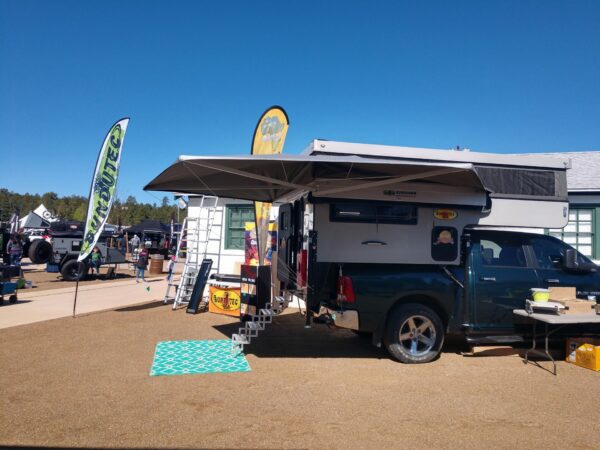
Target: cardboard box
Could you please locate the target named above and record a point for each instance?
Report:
(574, 343)
(567, 296)
(563, 293)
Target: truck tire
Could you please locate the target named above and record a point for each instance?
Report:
(414, 334)
(73, 271)
(40, 251)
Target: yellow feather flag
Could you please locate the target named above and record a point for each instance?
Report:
(269, 137)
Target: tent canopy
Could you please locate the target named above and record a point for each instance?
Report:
(270, 178)
(149, 225)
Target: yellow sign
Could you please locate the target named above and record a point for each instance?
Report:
(224, 301)
(445, 214)
(269, 137)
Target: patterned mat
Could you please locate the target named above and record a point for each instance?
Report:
(185, 357)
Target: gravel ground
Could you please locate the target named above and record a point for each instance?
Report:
(84, 383)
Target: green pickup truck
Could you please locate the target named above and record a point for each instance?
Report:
(411, 309)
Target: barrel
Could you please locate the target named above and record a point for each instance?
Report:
(156, 264)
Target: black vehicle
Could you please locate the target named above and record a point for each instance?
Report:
(65, 251)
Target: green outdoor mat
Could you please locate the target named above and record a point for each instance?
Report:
(184, 357)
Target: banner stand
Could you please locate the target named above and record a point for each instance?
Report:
(102, 192)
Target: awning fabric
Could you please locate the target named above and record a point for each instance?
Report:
(269, 178)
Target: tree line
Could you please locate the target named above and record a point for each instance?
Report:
(73, 207)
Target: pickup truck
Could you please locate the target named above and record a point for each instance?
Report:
(411, 309)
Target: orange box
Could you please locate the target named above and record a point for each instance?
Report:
(584, 352)
(224, 300)
(588, 356)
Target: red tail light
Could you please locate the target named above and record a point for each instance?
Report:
(302, 268)
(345, 290)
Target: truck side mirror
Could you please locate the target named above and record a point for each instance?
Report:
(570, 262)
(570, 259)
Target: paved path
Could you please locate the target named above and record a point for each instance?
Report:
(36, 306)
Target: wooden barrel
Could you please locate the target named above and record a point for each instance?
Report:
(156, 264)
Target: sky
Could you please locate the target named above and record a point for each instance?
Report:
(195, 76)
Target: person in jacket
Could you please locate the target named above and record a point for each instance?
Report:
(96, 260)
(135, 242)
(141, 265)
(15, 250)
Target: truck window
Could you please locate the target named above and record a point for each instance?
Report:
(549, 253)
(502, 251)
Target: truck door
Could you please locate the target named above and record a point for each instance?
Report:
(502, 275)
(549, 253)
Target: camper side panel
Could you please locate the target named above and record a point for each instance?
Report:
(418, 242)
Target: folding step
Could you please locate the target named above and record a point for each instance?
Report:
(240, 338)
(253, 325)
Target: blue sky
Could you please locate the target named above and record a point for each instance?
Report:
(505, 76)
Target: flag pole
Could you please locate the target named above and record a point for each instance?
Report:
(75, 299)
(115, 168)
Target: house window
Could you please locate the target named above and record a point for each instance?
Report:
(236, 218)
(579, 231)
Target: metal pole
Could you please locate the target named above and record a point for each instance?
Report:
(76, 289)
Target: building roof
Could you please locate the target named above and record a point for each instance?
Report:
(584, 175)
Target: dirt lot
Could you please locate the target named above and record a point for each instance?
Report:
(84, 382)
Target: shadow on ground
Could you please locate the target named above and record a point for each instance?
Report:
(141, 307)
(287, 337)
(7, 303)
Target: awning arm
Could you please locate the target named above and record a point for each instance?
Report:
(416, 176)
(241, 173)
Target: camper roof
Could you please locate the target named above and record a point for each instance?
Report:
(324, 147)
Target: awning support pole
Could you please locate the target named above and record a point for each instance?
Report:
(246, 174)
(416, 176)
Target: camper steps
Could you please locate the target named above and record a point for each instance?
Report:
(258, 323)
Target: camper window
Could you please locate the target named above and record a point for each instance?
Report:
(373, 212)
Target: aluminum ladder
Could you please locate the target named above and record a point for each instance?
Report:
(257, 324)
(171, 283)
(197, 231)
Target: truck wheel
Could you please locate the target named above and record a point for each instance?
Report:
(12, 299)
(40, 251)
(73, 271)
(414, 334)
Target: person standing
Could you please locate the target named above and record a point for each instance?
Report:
(135, 242)
(171, 268)
(141, 265)
(15, 250)
(96, 259)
